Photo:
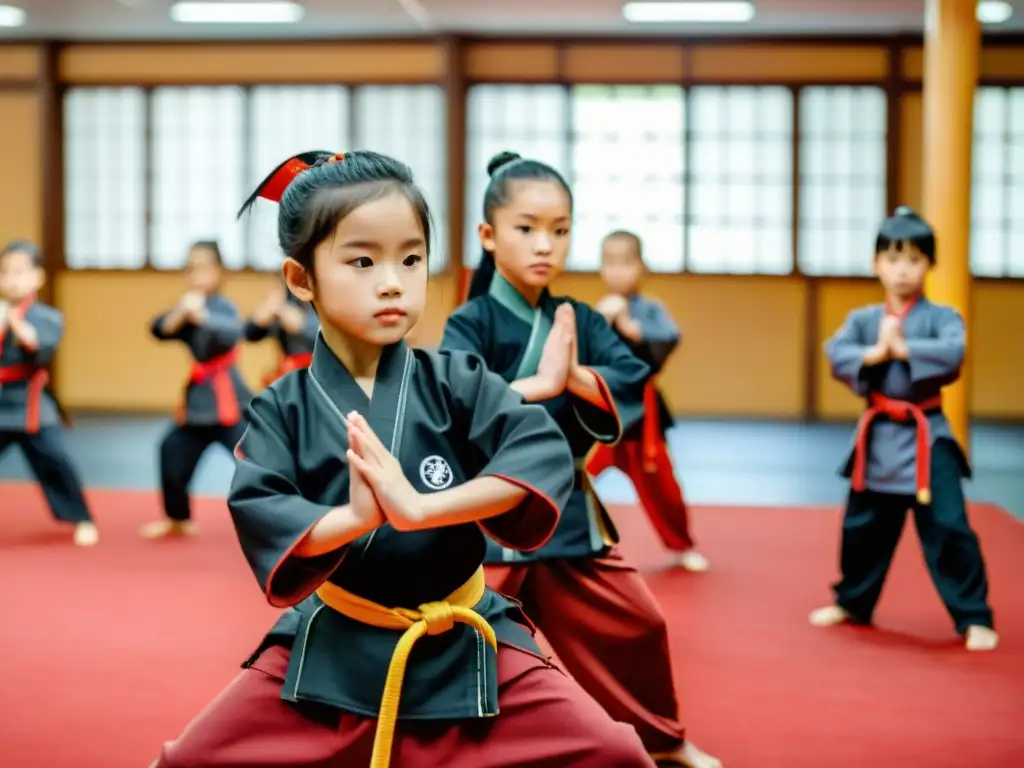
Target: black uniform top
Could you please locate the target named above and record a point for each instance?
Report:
(447, 420)
(509, 334)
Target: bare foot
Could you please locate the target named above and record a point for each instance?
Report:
(981, 638)
(693, 561)
(86, 535)
(158, 529)
(829, 616)
(690, 756)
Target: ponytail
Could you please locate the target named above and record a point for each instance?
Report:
(482, 276)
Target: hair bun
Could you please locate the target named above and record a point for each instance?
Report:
(502, 159)
(905, 210)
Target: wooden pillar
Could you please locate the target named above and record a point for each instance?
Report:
(952, 43)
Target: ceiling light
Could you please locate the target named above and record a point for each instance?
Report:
(272, 12)
(11, 16)
(689, 12)
(993, 11)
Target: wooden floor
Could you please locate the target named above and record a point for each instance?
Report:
(720, 462)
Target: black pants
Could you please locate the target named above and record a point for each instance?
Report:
(180, 451)
(872, 527)
(51, 465)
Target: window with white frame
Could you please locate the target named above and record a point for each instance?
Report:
(105, 178)
(740, 180)
(627, 171)
(532, 120)
(408, 122)
(286, 120)
(842, 178)
(997, 183)
(198, 177)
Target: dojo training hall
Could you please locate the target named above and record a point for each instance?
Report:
(755, 160)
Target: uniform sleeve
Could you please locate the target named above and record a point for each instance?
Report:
(463, 332)
(939, 359)
(156, 329)
(220, 331)
(621, 376)
(519, 443)
(270, 515)
(657, 324)
(255, 332)
(845, 351)
(49, 327)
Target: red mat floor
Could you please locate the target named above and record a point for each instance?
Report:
(108, 651)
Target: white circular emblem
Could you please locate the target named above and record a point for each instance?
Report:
(435, 473)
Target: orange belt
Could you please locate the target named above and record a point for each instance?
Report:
(901, 411)
(217, 372)
(652, 437)
(37, 379)
(288, 364)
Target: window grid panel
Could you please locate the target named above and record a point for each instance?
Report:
(104, 178)
(408, 122)
(277, 135)
(997, 183)
(199, 172)
(842, 178)
(627, 169)
(529, 119)
(740, 180)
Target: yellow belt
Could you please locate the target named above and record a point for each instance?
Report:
(429, 619)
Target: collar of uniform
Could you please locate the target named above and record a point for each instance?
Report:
(503, 292)
(383, 411)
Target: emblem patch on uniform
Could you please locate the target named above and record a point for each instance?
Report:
(436, 473)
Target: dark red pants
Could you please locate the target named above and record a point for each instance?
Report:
(609, 633)
(659, 491)
(546, 720)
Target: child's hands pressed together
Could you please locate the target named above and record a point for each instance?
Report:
(361, 499)
(399, 502)
(557, 356)
(612, 307)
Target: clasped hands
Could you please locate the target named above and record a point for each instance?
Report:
(193, 307)
(559, 368)
(379, 492)
(890, 345)
(276, 308)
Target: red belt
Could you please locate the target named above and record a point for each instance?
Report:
(651, 436)
(901, 411)
(217, 372)
(37, 379)
(288, 364)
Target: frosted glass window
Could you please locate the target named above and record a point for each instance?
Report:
(198, 178)
(408, 122)
(285, 121)
(997, 183)
(627, 171)
(842, 178)
(532, 120)
(741, 180)
(104, 178)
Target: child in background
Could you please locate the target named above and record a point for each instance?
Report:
(291, 322)
(30, 416)
(211, 412)
(649, 330)
(898, 356)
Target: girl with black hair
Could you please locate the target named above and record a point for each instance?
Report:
(898, 356)
(293, 325)
(593, 606)
(363, 488)
(211, 412)
(30, 416)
